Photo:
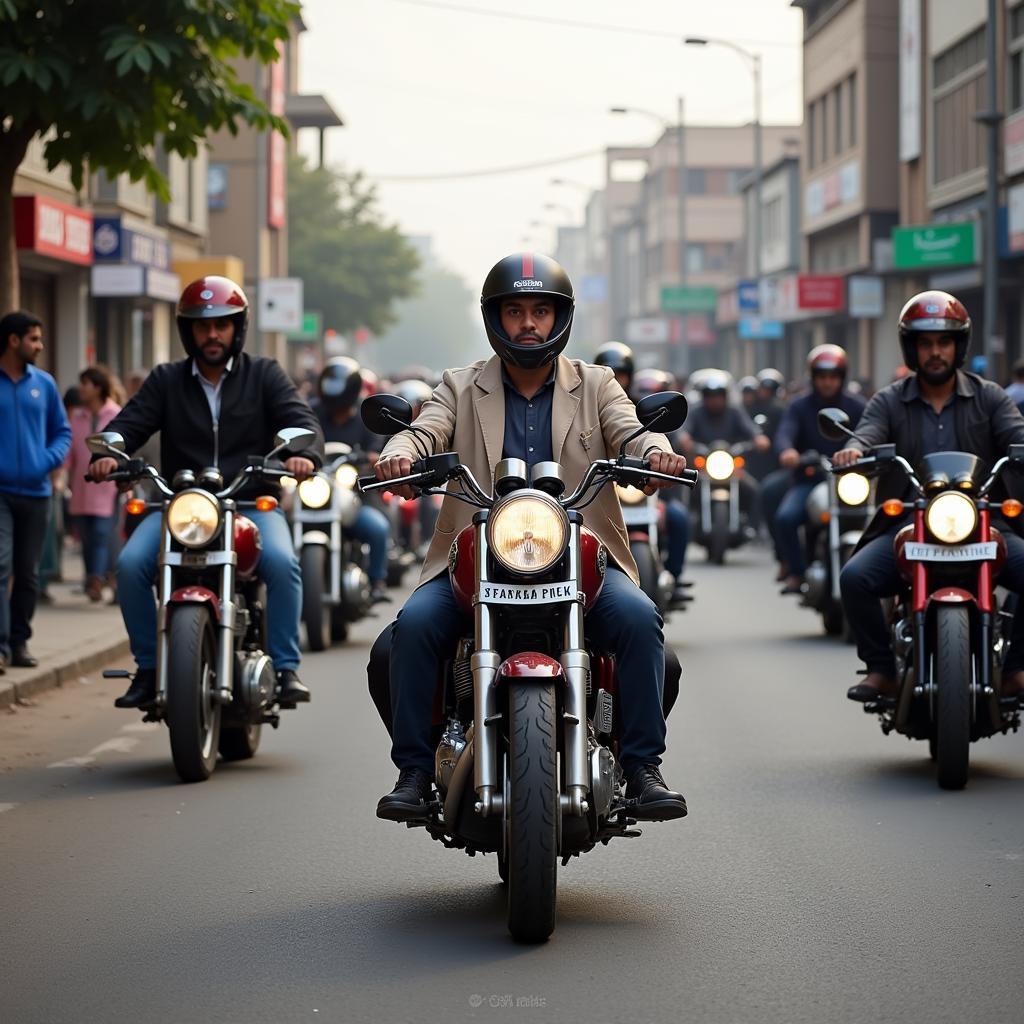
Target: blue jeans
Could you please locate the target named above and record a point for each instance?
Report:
(791, 515)
(677, 527)
(279, 569)
(431, 622)
(372, 528)
(95, 532)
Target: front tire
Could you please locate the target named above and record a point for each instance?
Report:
(718, 541)
(953, 695)
(646, 567)
(240, 742)
(533, 812)
(832, 619)
(193, 717)
(315, 617)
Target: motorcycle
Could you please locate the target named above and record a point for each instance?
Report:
(838, 511)
(642, 515)
(723, 521)
(215, 685)
(335, 583)
(527, 761)
(949, 636)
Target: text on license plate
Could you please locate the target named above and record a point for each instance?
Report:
(527, 593)
(981, 552)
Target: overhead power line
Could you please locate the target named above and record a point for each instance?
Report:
(490, 171)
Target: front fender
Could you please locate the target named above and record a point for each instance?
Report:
(315, 537)
(196, 595)
(529, 665)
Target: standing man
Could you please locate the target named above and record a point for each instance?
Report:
(36, 440)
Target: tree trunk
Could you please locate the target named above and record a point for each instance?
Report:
(13, 146)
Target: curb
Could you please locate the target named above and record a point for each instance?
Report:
(19, 684)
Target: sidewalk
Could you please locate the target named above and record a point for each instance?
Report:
(70, 637)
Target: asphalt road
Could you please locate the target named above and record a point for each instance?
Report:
(821, 875)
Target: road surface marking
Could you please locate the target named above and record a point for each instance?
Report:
(118, 745)
(7, 807)
(140, 727)
(72, 762)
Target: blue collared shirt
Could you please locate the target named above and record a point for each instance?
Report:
(528, 422)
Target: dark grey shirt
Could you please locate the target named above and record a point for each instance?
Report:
(938, 429)
(528, 422)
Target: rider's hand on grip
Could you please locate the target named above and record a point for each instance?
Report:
(101, 469)
(393, 468)
(846, 457)
(300, 468)
(664, 462)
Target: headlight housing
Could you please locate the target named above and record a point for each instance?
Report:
(193, 517)
(315, 492)
(527, 533)
(719, 465)
(853, 488)
(951, 517)
(347, 475)
(629, 495)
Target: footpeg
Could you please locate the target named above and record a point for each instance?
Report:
(222, 697)
(116, 673)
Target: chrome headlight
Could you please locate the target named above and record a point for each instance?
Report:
(951, 517)
(193, 517)
(315, 492)
(719, 465)
(528, 534)
(347, 476)
(629, 495)
(853, 488)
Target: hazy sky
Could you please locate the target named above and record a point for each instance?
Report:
(425, 88)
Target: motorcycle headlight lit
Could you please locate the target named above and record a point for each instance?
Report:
(629, 495)
(315, 492)
(853, 488)
(347, 476)
(951, 517)
(193, 518)
(528, 534)
(719, 465)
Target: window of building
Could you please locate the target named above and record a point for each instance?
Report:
(957, 98)
(696, 181)
(1015, 61)
(812, 135)
(837, 116)
(694, 258)
(851, 94)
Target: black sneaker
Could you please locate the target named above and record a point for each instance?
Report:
(654, 801)
(141, 693)
(290, 690)
(409, 800)
(379, 593)
(22, 657)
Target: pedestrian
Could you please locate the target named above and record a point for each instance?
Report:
(94, 507)
(1015, 389)
(37, 437)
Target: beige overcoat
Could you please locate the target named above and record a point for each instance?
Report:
(590, 416)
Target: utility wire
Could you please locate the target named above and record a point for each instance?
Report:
(491, 171)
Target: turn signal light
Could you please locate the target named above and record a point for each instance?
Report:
(826, 517)
(893, 507)
(699, 462)
(739, 462)
(266, 503)
(136, 506)
(1012, 508)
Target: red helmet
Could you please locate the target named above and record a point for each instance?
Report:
(371, 383)
(827, 359)
(934, 311)
(211, 297)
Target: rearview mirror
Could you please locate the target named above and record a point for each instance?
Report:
(834, 424)
(664, 411)
(101, 444)
(386, 414)
(294, 439)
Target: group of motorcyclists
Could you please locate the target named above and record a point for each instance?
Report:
(532, 406)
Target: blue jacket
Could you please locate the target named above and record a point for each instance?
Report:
(35, 432)
(799, 427)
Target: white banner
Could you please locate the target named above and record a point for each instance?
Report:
(910, 79)
(280, 304)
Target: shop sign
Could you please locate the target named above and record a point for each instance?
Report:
(699, 333)
(1013, 142)
(820, 292)
(934, 245)
(910, 79)
(280, 304)
(648, 330)
(277, 150)
(689, 299)
(53, 229)
(132, 281)
(1015, 202)
(866, 296)
(830, 191)
(115, 243)
(747, 296)
(756, 328)
(312, 328)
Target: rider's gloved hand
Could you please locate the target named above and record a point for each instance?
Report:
(391, 469)
(664, 462)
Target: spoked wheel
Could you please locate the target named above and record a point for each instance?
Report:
(240, 742)
(193, 717)
(532, 812)
(953, 695)
(315, 616)
(718, 542)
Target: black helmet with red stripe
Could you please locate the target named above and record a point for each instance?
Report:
(210, 298)
(527, 275)
(934, 311)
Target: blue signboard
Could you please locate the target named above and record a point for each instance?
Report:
(754, 328)
(114, 243)
(746, 296)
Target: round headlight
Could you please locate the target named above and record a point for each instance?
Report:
(315, 492)
(629, 495)
(719, 465)
(951, 517)
(193, 518)
(527, 534)
(853, 488)
(347, 476)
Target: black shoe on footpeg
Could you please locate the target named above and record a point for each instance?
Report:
(141, 693)
(649, 799)
(290, 690)
(410, 799)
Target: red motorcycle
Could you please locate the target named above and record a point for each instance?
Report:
(527, 706)
(215, 685)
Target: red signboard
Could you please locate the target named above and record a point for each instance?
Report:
(53, 229)
(277, 155)
(820, 291)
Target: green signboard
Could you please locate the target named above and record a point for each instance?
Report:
(312, 327)
(689, 299)
(934, 245)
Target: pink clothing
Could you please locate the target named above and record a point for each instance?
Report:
(88, 499)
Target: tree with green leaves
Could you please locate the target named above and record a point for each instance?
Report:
(111, 82)
(354, 266)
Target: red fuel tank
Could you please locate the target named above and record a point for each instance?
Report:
(248, 546)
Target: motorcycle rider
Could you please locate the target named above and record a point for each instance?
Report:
(214, 407)
(529, 402)
(748, 388)
(938, 407)
(770, 401)
(619, 358)
(339, 388)
(784, 493)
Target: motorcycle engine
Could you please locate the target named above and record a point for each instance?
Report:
(355, 591)
(255, 682)
(603, 778)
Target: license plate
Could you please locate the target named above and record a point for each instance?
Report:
(193, 559)
(638, 515)
(981, 552)
(527, 593)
